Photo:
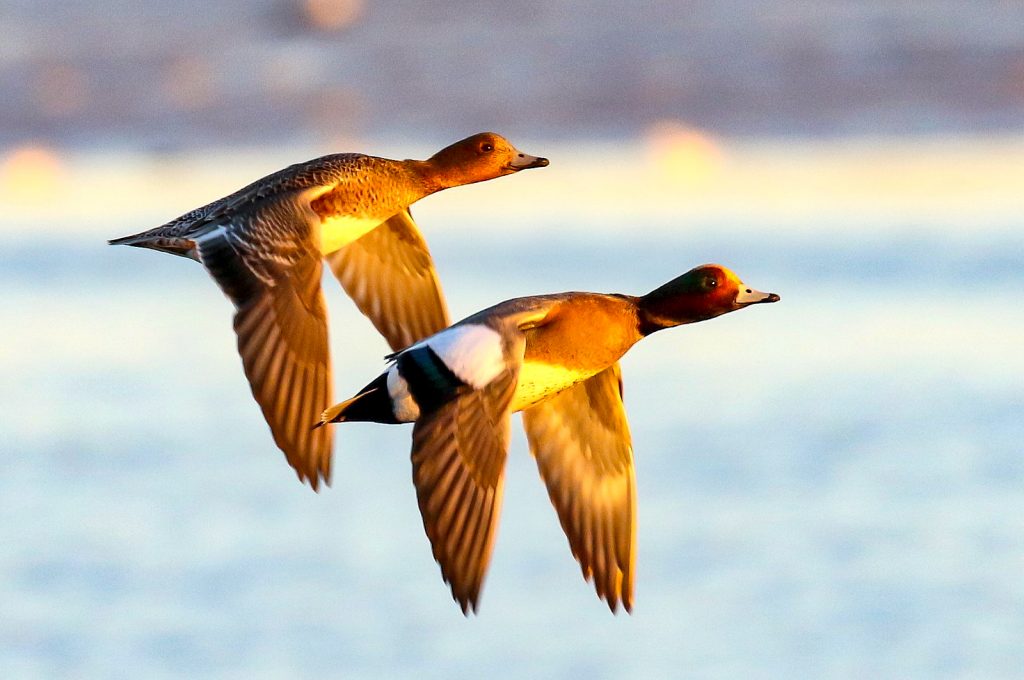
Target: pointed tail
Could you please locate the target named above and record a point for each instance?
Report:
(158, 239)
(336, 413)
(371, 404)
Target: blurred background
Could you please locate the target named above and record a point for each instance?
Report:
(828, 487)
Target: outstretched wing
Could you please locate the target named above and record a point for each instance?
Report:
(458, 462)
(581, 441)
(390, 275)
(266, 262)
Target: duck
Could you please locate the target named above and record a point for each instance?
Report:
(555, 358)
(264, 245)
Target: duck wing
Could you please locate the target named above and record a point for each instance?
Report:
(458, 463)
(580, 438)
(390, 275)
(264, 258)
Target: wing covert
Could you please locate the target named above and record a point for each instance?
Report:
(390, 275)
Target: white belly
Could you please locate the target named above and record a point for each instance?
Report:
(338, 232)
(405, 408)
(538, 380)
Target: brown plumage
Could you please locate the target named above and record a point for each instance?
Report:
(556, 359)
(264, 245)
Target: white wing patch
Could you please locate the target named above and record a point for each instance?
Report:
(472, 352)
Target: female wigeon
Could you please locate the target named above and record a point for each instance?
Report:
(555, 358)
(263, 246)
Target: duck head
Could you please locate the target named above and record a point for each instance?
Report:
(483, 156)
(701, 293)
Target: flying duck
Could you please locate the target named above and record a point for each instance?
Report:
(555, 358)
(263, 246)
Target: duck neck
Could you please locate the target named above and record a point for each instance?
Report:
(427, 176)
(655, 313)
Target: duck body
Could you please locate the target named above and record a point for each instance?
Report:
(367, 193)
(349, 194)
(555, 358)
(580, 335)
(550, 338)
(264, 245)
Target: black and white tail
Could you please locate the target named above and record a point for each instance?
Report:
(372, 404)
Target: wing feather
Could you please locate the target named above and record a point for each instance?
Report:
(458, 458)
(266, 262)
(390, 275)
(582, 444)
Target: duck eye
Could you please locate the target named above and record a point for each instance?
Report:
(709, 283)
(487, 148)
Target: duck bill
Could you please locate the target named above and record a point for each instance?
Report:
(749, 296)
(524, 161)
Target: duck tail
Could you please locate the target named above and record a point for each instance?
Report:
(159, 239)
(336, 413)
(371, 404)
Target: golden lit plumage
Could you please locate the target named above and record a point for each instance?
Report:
(555, 358)
(264, 246)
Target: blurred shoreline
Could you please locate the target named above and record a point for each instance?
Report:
(672, 173)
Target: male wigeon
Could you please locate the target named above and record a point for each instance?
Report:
(263, 246)
(555, 358)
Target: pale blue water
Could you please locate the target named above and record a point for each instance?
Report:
(832, 486)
